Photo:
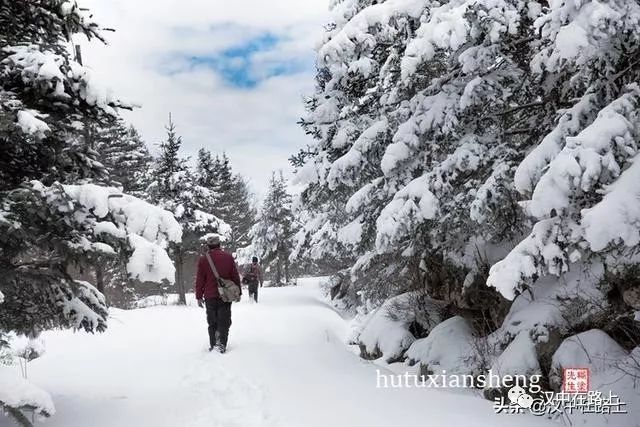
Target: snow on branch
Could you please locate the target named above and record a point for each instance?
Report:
(351, 163)
(540, 252)
(419, 200)
(62, 79)
(412, 204)
(450, 25)
(571, 121)
(580, 32)
(345, 42)
(617, 217)
(82, 308)
(591, 158)
(30, 123)
(147, 228)
(203, 221)
(16, 393)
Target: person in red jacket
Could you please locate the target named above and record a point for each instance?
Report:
(218, 311)
(253, 276)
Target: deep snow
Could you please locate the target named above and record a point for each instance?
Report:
(287, 365)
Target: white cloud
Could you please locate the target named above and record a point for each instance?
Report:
(256, 127)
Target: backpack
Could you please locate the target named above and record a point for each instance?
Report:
(228, 290)
(252, 276)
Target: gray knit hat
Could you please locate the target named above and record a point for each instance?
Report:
(213, 240)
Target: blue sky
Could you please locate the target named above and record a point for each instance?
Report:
(236, 66)
(232, 74)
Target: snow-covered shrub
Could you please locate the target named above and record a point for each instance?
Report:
(384, 337)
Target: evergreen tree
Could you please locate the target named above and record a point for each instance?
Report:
(170, 173)
(231, 200)
(242, 214)
(206, 168)
(51, 215)
(127, 160)
(433, 120)
(177, 188)
(125, 156)
(223, 186)
(272, 235)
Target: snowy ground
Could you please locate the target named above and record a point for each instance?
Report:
(287, 365)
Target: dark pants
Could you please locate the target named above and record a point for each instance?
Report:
(253, 291)
(219, 320)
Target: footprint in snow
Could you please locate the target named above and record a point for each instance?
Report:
(224, 398)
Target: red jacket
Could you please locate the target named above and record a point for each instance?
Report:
(253, 273)
(206, 284)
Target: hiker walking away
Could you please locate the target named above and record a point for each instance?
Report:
(208, 291)
(253, 277)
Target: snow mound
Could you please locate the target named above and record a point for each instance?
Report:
(519, 358)
(612, 370)
(593, 349)
(450, 346)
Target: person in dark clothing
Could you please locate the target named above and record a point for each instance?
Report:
(218, 311)
(253, 277)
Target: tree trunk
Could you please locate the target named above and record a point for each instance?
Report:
(100, 278)
(278, 270)
(286, 270)
(182, 299)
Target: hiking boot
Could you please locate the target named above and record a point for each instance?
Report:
(221, 348)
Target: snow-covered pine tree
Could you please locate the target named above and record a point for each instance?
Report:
(578, 177)
(170, 171)
(51, 216)
(431, 122)
(223, 185)
(232, 200)
(127, 160)
(242, 213)
(272, 235)
(580, 182)
(410, 141)
(177, 188)
(125, 156)
(206, 167)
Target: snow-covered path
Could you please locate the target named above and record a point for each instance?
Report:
(287, 365)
